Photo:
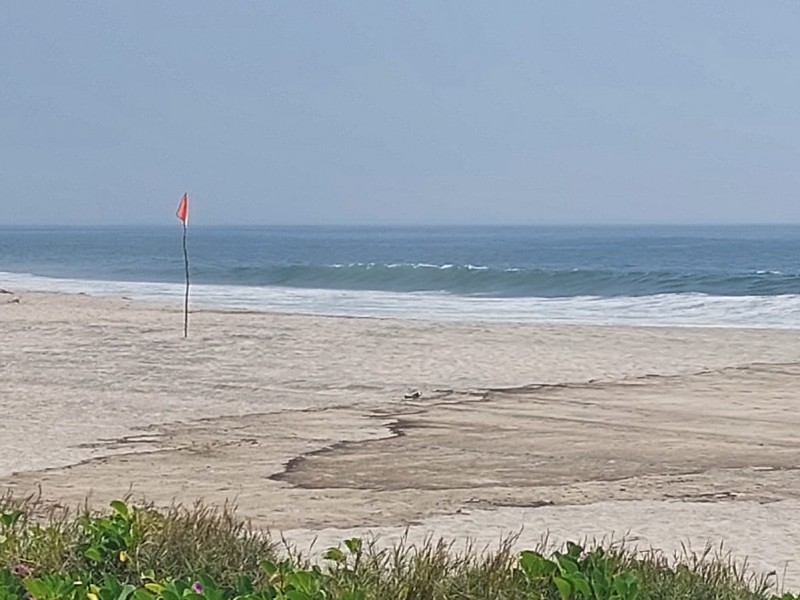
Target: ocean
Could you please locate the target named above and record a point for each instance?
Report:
(742, 276)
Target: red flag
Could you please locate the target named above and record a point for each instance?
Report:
(183, 209)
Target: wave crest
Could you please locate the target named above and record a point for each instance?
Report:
(505, 282)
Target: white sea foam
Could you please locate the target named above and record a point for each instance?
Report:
(403, 265)
(689, 309)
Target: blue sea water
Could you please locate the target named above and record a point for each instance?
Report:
(709, 276)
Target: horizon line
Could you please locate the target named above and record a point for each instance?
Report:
(414, 225)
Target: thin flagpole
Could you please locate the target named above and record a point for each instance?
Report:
(186, 297)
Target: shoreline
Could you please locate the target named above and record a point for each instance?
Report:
(670, 310)
(216, 309)
(304, 421)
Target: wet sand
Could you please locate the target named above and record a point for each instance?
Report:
(666, 435)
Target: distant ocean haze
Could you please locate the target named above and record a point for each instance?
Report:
(726, 276)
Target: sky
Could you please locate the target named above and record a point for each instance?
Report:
(414, 112)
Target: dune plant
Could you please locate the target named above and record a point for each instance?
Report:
(136, 552)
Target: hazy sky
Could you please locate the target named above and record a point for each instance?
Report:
(419, 112)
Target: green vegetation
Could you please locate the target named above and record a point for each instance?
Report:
(197, 553)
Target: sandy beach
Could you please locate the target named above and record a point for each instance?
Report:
(325, 427)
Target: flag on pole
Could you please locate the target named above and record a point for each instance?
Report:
(183, 209)
(183, 215)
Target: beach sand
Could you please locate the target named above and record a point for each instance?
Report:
(666, 436)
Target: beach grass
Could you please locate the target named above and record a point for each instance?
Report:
(200, 552)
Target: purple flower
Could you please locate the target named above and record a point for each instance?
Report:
(21, 570)
(197, 588)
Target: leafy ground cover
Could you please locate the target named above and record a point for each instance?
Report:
(135, 552)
